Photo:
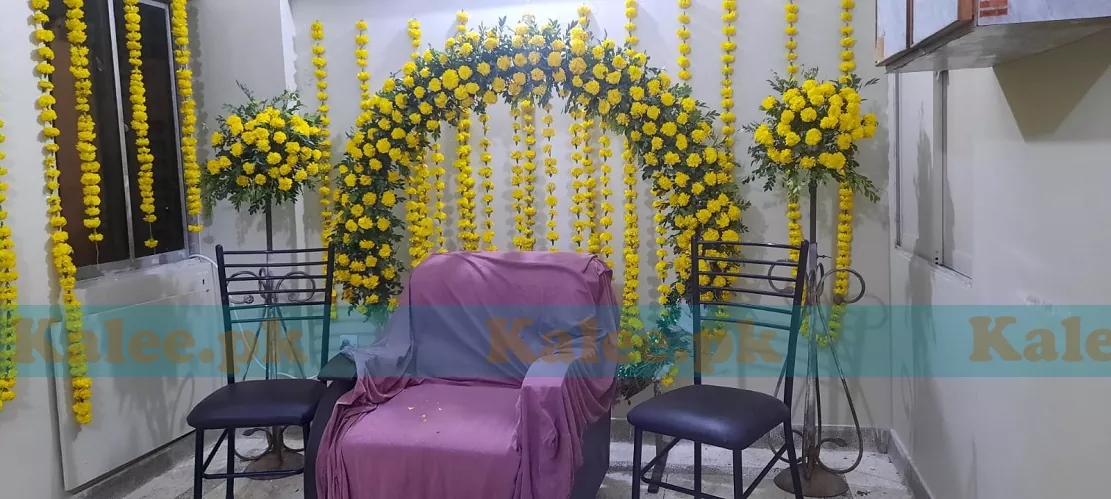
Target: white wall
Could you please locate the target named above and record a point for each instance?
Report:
(29, 466)
(760, 27)
(131, 416)
(1035, 133)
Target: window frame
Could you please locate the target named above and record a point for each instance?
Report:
(936, 245)
(133, 262)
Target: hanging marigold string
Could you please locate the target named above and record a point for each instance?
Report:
(848, 57)
(578, 199)
(439, 216)
(517, 178)
(421, 227)
(728, 58)
(361, 56)
(321, 73)
(132, 21)
(81, 385)
(590, 194)
(528, 113)
(605, 237)
(191, 170)
(551, 169)
(9, 294)
(794, 227)
(684, 41)
(487, 172)
(792, 17)
(844, 257)
(466, 202)
(86, 125)
(465, 181)
(582, 173)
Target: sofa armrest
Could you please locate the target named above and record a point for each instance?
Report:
(559, 399)
(340, 368)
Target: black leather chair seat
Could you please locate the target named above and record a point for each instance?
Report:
(272, 402)
(731, 418)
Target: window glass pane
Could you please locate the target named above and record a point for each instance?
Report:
(113, 207)
(158, 79)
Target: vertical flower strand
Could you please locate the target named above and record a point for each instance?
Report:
(728, 58)
(191, 170)
(80, 383)
(86, 125)
(137, 90)
(9, 294)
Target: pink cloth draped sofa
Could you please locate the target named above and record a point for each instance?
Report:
(493, 379)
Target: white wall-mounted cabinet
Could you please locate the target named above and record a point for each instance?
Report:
(936, 35)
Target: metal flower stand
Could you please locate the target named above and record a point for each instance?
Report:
(818, 478)
(277, 455)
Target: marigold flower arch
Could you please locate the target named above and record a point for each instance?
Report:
(669, 132)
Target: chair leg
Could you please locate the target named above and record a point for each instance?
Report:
(305, 474)
(738, 475)
(230, 493)
(661, 465)
(697, 470)
(638, 440)
(796, 479)
(198, 465)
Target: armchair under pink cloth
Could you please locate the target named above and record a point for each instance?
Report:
(494, 379)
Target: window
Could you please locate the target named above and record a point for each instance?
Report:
(121, 219)
(933, 176)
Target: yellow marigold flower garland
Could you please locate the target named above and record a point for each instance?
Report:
(190, 168)
(583, 174)
(578, 198)
(468, 234)
(361, 55)
(321, 73)
(487, 173)
(439, 216)
(517, 177)
(590, 196)
(9, 294)
(794, 227)
(551, 170)
(326, 189)
(528, 112)
(728, 49)
(466, 201)
(844, 257)
(81, 384)
(848, 58)
(132, 21)
(606, 220)
(792, 17)
(684, 40)
(420, 225)
(86, 125)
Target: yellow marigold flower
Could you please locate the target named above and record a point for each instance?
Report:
(813, 137)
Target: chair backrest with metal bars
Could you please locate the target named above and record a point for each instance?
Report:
(740, 267)
(283, 280)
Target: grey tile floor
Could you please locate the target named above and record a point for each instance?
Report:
(875, 478)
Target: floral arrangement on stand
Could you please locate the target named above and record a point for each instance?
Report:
(669, 133)
(266, 153)
(810, 136)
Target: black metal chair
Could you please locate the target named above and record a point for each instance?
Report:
(730, 418)
(265, 403)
